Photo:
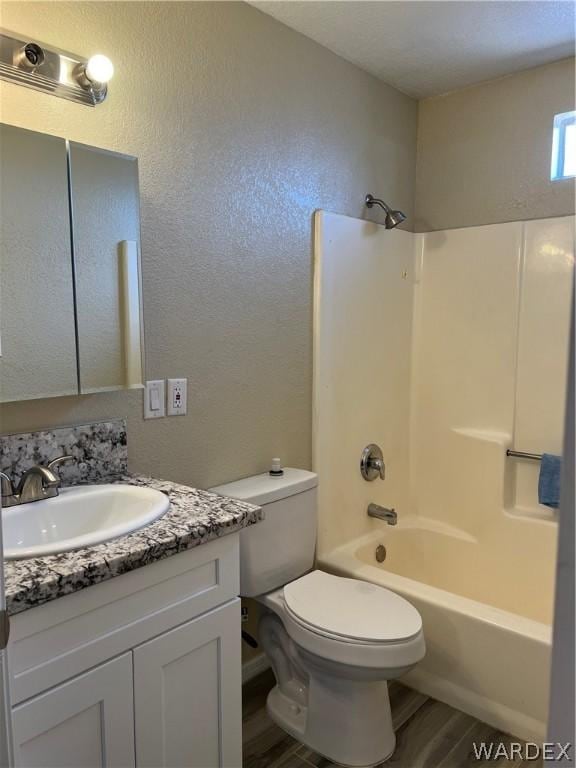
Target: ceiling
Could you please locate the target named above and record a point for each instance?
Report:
(428, 47)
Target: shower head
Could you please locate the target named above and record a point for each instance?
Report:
(393, 218)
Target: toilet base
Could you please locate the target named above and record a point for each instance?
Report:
(289, 716)
(358, 733)
(338, 708)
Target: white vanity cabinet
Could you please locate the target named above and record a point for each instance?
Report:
(141, 670)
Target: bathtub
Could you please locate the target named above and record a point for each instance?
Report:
(487, 657)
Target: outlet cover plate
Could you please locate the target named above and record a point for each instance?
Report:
(177, 397)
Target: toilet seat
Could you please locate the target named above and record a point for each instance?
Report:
(338, 638)
(350, 610)
(386, 654)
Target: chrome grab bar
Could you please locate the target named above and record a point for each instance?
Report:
(523, 455)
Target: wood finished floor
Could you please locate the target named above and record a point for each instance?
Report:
(429, 734)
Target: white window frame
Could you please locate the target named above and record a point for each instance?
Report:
(561, 122)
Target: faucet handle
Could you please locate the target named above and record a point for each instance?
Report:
(59, 460)
(6, 485)
(372, 463)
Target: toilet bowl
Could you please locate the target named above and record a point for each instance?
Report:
(332, 642)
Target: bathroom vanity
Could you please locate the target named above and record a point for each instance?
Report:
(128, 653)
(140, 670)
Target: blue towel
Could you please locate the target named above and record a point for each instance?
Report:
(549, 480)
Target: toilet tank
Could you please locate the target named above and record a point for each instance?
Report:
(281, 547)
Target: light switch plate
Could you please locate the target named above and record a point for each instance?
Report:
(155, 399)
(177, 397)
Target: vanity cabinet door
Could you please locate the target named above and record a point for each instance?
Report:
(187, 694)
(84, 723)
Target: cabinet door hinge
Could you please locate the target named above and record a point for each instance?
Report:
(4, 629)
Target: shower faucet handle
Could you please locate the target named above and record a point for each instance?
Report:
(372, 463)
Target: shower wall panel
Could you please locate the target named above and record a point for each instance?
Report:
(363, 318)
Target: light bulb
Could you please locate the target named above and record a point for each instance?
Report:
(99, 69)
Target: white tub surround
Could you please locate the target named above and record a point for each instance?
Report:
(364, 293)
(447, 349)
(489, 358)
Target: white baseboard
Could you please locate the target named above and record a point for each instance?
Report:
(254, 667)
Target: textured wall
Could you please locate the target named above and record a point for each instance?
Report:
(242, 128)
(484, 152)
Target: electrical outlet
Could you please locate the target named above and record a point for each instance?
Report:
(177, 397)
(155, 399)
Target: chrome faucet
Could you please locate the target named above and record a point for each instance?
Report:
(382, 513)
(37, 483)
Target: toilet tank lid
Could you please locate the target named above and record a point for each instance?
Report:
(264, 489)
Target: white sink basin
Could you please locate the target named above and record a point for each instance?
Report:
(79, 517)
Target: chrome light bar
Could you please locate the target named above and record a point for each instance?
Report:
(44, 68)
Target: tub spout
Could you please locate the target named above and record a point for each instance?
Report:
(382, 513)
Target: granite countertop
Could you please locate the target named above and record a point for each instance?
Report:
(194, 517)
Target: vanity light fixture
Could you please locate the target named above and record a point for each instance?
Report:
(51, 70)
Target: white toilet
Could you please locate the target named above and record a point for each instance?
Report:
(332, 642)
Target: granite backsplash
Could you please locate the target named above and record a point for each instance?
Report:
(99, 451)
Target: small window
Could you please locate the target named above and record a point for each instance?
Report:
(564, 147)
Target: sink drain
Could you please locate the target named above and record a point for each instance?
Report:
(380, 553)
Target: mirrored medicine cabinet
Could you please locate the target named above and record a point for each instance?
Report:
(70, 274)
